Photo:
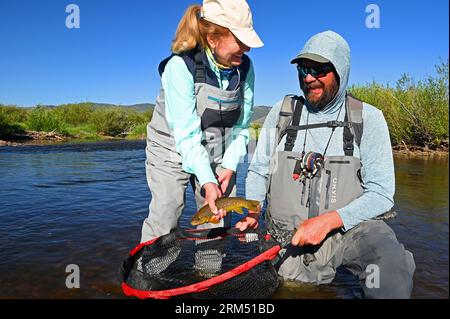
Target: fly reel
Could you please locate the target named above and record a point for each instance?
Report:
(308, 166)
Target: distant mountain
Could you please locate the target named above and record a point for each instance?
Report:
(141, 107)
(260, 113)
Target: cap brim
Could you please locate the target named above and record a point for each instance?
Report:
(310, 56)
(248, 37)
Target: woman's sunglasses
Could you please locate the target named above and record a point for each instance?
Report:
(315, 71)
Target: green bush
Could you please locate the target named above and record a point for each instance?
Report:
(84, 131)
(46, 120)
(138, 131)
(416, 113)
(14, 114)
(119, 121)
(12, 120)
(147, 115)
(82, 120)
(7, 129)
(110, 121)
(75, 114)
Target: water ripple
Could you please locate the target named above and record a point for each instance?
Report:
(85, 203)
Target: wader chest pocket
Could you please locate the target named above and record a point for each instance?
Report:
(221, 113)
(341, 181)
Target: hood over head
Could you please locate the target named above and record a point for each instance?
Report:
(329, 46)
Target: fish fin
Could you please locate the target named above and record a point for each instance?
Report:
(254, 202)
(253, 205)
(214, 221)
(239, 210)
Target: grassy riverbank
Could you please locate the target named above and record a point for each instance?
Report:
(416, 113)
(75, 121)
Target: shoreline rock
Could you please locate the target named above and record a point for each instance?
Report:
(420, 151)
(35, 135)
(7, 143)
(36, 138)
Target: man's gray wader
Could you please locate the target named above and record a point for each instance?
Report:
(219, 110)
(335, 185)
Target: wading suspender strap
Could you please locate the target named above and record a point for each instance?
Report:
(200, 69)
(292, 135)
(348, 138)
(284, 117)
(353, 115)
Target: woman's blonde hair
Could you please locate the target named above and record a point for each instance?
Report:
(192, 30)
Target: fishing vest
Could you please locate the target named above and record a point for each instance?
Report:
(336, 183)
(218, 109)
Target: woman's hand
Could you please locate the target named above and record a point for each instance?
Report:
(212, 193)
(224, 179)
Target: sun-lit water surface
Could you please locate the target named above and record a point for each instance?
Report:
(84, 204)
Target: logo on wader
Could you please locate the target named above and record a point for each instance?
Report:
(334, 190)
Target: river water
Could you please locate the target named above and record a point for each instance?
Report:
(84, 203)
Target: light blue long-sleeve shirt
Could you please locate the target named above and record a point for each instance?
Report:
(183, 120)
(375, 152)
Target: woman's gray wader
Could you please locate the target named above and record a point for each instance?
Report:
(219, 110)
(337, 183)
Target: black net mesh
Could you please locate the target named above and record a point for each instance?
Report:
(183, 258)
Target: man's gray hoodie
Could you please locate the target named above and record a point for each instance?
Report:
(375, 151)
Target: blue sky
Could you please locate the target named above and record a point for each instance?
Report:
(113, 56)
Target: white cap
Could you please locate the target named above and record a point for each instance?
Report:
(234, 15)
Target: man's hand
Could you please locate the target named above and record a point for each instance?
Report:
(314, 230)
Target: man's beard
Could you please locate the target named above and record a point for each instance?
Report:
(329, 92)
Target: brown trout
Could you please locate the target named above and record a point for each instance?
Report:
(236, 204)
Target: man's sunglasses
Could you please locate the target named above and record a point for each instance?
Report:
(318, 71)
